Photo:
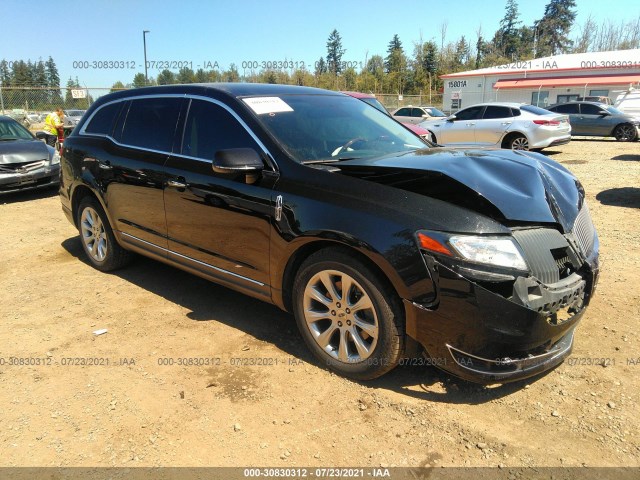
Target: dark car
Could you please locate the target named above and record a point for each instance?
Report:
(25, 162)
(599, 120)
(330, 209)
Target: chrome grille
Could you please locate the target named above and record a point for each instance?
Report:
(584, 231)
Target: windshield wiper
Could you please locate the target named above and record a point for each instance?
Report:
(328, 160)
(5, 139)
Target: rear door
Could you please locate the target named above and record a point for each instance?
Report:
(218, 224)
(132, 169)
(594, 122)
(573, 111)
(491, 128)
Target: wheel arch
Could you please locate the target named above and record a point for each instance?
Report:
(386, 275)
(511, 134)
(79, 193)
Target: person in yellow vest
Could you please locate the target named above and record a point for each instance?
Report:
(51, 125)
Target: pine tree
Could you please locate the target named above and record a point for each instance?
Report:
(395, 60)
(508, 33)
(53, 82)
(139, 80)
(334, 53)
(321, 66)
(554, 27)
(167, 77)
(117, 87)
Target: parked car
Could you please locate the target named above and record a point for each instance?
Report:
(330, 209)
(599, 120)
(629, 102)
(507, 125)
(374, 102)
(25, 162)
(412, 114)
(72, 117)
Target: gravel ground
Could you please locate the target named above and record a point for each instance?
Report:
(139, 410)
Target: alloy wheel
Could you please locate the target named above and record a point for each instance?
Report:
(520, 143)
(340, 316)
(93, 234)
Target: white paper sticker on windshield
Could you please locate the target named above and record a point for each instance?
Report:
(262, 105)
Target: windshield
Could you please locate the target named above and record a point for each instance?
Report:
(434, 112)
(318, 128)
(612, 110)
(74, 113)
(12, 130)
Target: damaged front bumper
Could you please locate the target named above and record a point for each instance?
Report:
(492, 336)
(35, 175)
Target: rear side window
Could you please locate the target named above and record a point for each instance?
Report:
(568, 108)
(403, 112)
(102, 122)
(210, 128)
(151, 123)
(493, 111)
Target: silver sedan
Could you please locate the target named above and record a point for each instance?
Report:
(506, 125)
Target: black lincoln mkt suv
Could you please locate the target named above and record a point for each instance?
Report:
(379, 244)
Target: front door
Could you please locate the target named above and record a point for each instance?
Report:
(218, 224)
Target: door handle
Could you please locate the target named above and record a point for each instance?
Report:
(179, 183)
(104, 165)
(506, 123)
(470, 124)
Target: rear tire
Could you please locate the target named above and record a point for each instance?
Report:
(351, 320)
(625, 132)
(97, 239)
(518, 142)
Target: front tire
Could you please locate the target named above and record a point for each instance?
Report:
(625, 132)
(351, 320)
(96, 236)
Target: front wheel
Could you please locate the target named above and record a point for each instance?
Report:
(352, 321)
(98, 241)
(625, 133)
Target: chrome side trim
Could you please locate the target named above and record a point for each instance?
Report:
(173, 95)
(217, 269)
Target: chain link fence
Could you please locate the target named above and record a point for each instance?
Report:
(394, 101)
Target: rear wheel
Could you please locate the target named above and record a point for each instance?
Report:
(98, 241)
(625, 133)
(352, 321)
(518, 142)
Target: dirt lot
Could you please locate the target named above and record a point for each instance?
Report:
(140, 411)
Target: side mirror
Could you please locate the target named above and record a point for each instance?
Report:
(425, 116)
(451, 118)
(604, 113)
(237, 160)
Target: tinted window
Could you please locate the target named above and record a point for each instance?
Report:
(589, 109)
(151, 123)
(493, 111)
(470, 113)
(102, 121)
(403, 112)
(515, 112)
(210, 128)
(567, 108)
(417, 112)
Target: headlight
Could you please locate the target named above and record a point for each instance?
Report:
(498, 251)
(56, 158)
(494, 251)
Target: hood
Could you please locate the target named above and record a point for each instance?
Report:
(502, 184)
(23, 151)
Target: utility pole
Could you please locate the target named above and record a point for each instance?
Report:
(144, 42)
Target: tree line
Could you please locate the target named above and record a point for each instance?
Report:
(403, 69)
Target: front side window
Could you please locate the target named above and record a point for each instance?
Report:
(588, 109)
(471, 113)
(151, 123)
(493, 111)
(210, 128)
(569, 108)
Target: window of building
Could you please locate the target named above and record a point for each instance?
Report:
(567, 98)
(599, 93)
(540, 99)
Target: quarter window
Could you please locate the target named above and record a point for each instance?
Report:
(210, 128)
(151, 123)
(102, 121)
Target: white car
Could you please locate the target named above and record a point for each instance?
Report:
(416, 115)
(507, 125)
